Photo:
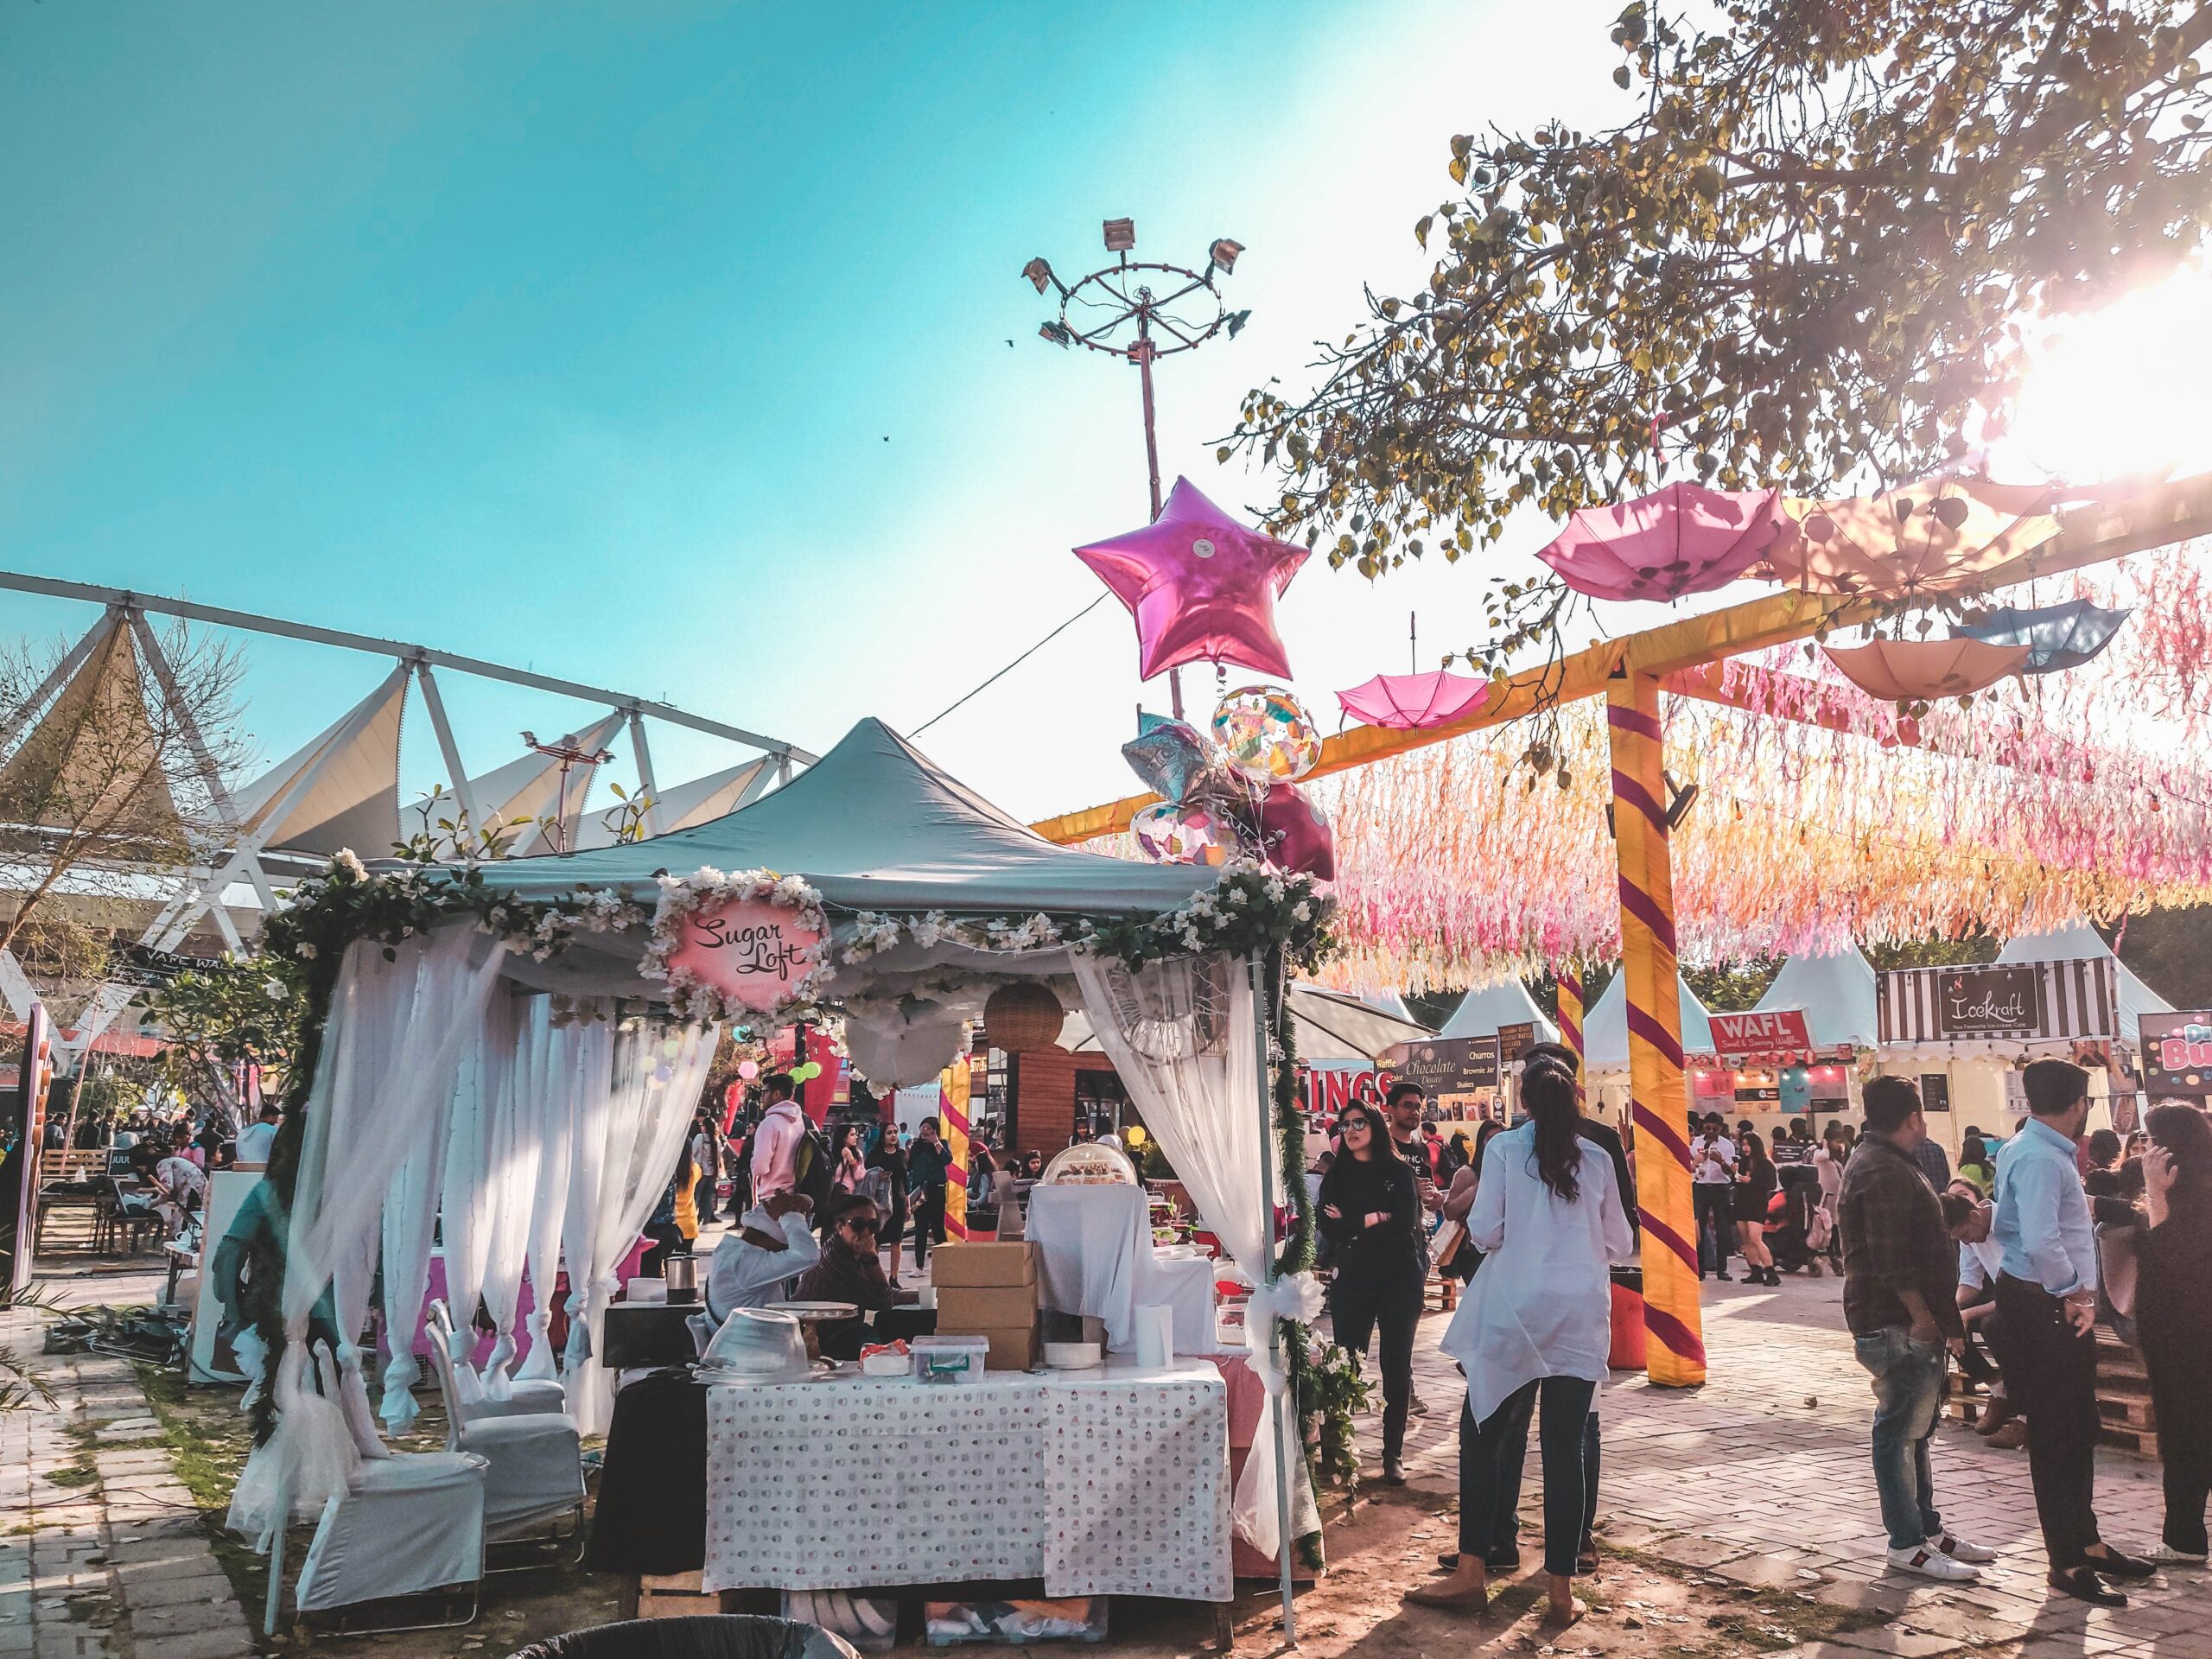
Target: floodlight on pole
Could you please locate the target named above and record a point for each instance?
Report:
(1117, 311)
(567, 752)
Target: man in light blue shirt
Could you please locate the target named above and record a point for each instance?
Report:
(2047, 1296)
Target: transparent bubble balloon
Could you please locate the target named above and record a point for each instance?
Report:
(1266, 735)
(1187, 832)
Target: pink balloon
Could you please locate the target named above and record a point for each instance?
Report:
(1294, 836)
(748, 1070)
(1201, 585)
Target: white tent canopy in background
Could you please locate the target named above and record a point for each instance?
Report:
(2078, 938)
(1390, 1002)
(1835, 990)
(1604, 1030)
(1481, 1012)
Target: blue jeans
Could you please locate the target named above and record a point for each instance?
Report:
(1908, 1388)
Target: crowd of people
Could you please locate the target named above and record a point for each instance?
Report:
(2010, 1264)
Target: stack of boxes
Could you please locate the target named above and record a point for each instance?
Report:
(991, 1291)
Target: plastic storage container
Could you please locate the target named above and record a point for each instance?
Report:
(950, 1359)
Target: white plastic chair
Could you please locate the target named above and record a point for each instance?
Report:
(410, 1525)
(537, 1472)
(524, 1396)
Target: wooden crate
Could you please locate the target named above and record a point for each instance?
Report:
(675, 1595)
(2129, 1422)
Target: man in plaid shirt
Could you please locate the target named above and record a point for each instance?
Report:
(1899, 1270)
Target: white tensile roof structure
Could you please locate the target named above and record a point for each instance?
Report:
(1506, 1003)
(1605, 1031)
(337, 792)
(1332, 1031)
(1835, 990)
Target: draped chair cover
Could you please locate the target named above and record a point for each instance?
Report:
(398, 1026)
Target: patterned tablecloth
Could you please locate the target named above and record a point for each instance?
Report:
(1113, 1482)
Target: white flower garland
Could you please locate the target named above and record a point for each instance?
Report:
(692, 999)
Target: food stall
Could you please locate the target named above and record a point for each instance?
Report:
(565, 1008)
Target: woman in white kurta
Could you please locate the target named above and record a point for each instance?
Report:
(1534, 1326)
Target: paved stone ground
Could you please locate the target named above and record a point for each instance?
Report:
(1762, 1476)
(101, 1551)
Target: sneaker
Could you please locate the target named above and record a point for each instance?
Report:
(2166, 1555)
(1960, 1550)
(1932, 1564)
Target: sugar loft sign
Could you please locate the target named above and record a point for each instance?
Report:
(754, 952)
(1990, 1003)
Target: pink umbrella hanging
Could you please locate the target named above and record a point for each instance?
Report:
(1901, 671)
(1682, 539)
(1415, 702)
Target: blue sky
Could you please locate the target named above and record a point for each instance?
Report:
(572, 336)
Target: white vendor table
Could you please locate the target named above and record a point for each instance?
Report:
(1095, 1255)
(1111, 1481)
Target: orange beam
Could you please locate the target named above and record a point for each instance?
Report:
(2155, 517)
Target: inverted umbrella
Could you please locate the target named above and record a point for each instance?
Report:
(2057, 636)
(1415, 702)
(1934, 536)
(1682, 539)
(1902, 670)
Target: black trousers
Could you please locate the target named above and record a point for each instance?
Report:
(929, 1223)
(2053, 1376)
(668, 1240)
(1488, 1453)
(1715, 1205)
(1388, 1300)
(1505, 1525)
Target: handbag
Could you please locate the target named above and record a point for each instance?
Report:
(1449, 1239)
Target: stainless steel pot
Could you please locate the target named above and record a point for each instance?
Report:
(682, 1273)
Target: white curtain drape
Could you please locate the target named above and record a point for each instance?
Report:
(410, 1217)
(575, 1066)
(1181, 1034)
(463, 1223)
(621, 1166)
(507, 1190)
(398, 1024)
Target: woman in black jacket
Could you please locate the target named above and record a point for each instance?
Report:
(2173, 1317)
(1370, 1209)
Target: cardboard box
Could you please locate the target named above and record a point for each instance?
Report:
(1013, 1348)
(983, 1264)
(985, 1307)
(674, 1595)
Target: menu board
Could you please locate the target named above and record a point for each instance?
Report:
(1447, 1065)
(1514, 1041)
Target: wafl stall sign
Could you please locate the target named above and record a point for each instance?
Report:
(1776, 1031)
(2177, 1054)
(754, 953)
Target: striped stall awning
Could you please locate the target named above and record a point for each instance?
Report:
(2077, 999)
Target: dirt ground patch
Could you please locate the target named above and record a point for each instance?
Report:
(1641, 1606)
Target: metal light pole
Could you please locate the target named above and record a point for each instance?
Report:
(1104, 312)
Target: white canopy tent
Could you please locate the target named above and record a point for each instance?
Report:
(2078, 938)
(1482, 1012)
(878, 832)
(1604, 1029)
(1836, 991)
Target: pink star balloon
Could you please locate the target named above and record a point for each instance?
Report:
(1201, 585)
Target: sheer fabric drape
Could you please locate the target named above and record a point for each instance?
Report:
(1181, 1034)
(626, 1144)
(392, 1045)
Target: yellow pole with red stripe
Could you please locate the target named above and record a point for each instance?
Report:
(1658, 1092)
(1570, 1011)
(952, 1106)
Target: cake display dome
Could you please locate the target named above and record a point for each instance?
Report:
(756, 1345)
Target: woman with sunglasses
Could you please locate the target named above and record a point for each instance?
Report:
(1368, 1210)
(1533, 1326)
